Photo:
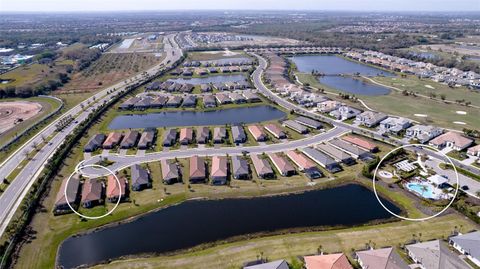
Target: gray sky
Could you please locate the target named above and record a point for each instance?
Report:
(356, 5)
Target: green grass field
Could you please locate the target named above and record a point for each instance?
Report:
(289, 246)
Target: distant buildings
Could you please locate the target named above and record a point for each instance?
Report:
(423, 133)
(370, 118)
(452, 140)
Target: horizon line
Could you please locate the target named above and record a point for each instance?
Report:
(236, 10)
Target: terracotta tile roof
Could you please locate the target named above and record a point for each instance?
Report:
(331, 261)
(300, 160)
(453, 137)
(219, 166)
(360, 142)
(113, 190)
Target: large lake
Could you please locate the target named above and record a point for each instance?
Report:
(195, 222)
(211, 79)
(195, 118)
(334, 66)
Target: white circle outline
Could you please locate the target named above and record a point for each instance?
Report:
(77, 171)
(412, 219)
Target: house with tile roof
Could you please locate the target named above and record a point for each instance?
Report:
(240, 168)
(170, 172)
(140, 178)
(219, 171)
(452, 140)
(474, 151)
(114, 190)
(92, 192)
(330, 261)
(283, 166)
(384, 258)
(262, 167)
(197, 171)
(72, 191)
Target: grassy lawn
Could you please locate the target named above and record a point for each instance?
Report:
(459, 155)
(289, 246)
(207, 56)
(439, 113)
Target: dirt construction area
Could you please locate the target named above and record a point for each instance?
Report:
(12, 113)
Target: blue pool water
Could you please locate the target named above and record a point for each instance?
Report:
(424, 190)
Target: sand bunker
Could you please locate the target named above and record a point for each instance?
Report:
(421, 115)
(459, 122)
(459, 112)
(12, 113)
(226, 52)
(430, 87)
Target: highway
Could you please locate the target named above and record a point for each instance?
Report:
(11, 198)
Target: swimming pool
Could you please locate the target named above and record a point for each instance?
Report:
(422, 189)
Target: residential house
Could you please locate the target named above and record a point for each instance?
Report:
(173, 101)
(276, 131)
(423, 133)
(237, 98)
(370, 118)
(169, 137)
(452, 140)
(189, 101)
(360, 142)
(302, 162)
(94, 143)
(384, 258)
(394, 125)
(129, 103)
(158, 101)
(198, 171)
(240, 168)
(328, 106)
(284, 167)
(336, 154)
(322, 159)
(129, 140)
(295, 126)
(219, 171)
(469, 245)
(186, 136)
(115, 190)
(92, 192)
(309, 122)
(257, 133)
(238, 134)
(219, 135)
(434, 254)
(345, 113)
(205, 88)
(170, 172)
(140, 178)
(222, 98)
(474, 151)
(147, 139)
(251, 97)
(280, 264)
(202, 135)
(143, 103)
(209, 101)
(328, 261)
(72, 189)
(262, 167)
(354, 151)
(113, 139)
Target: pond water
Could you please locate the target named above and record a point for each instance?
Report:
(211, 79)
(195, 222)
(353, 85)
(194, 118)
(334, 66)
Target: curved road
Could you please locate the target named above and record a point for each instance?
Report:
(11, 198)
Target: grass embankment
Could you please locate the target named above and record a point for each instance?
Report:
(438, 113)
(289, 246)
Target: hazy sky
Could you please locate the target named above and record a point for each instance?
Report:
(358, 5)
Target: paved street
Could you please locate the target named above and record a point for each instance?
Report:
(11, 198)
(473, 185)
(121, 162)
